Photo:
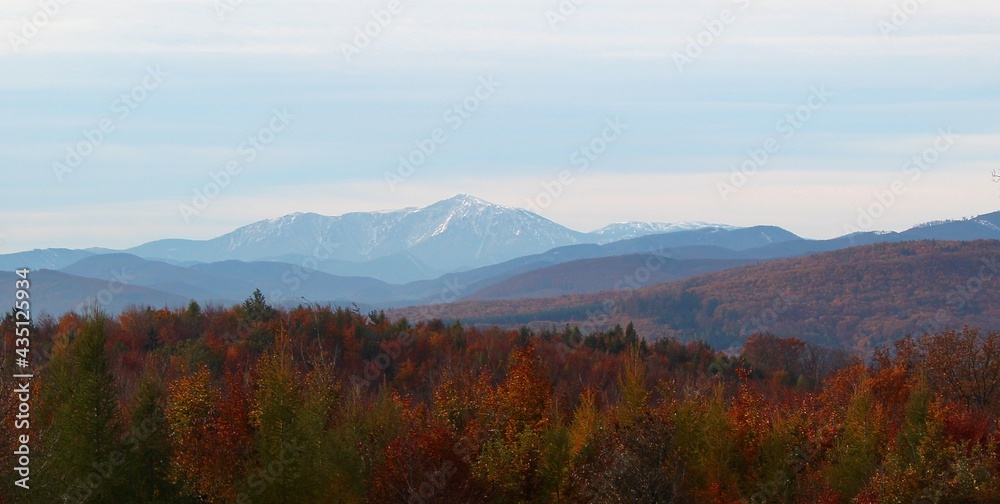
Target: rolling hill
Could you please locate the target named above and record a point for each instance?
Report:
(585, 276)
(56, 293)
(857, 298)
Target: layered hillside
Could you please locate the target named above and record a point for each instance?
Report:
(856, 298)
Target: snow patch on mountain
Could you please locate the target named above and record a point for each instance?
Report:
(988, 224)
(461, 232)
(632, 229)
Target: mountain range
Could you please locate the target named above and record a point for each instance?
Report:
(397, 246)
(462, 248)
(858, 298)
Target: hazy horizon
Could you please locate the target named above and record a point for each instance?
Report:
(586, 230)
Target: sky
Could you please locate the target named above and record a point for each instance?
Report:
(126, 121)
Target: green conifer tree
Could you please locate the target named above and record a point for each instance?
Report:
(84, 459)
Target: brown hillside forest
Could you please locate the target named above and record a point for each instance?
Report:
(860, 298)
(319, 405)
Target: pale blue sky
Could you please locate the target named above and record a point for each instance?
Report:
(223, 74)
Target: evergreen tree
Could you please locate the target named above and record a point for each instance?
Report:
(256, 309)
(290, 419)
(85, 455)
(147, 443)
(632, 381)
(315, 450)
(857, 452)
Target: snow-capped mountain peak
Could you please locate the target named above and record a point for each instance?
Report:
(459, 232)
(632, 229)
(449, 235)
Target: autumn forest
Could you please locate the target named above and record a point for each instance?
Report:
(258, 404)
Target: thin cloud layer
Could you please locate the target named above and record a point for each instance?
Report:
(699, 85)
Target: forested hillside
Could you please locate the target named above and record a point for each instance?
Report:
(858, 298)
(254, 404)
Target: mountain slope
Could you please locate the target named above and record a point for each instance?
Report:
(458, 233)
(290, 285)
(399, 246)
(525, 274)
(627, 230)
(985, 226)
(230, 282)
(737, 239)
(37, 259)
(602, 274)
(133, 270)
(396, 268)
(857, 298)
(56, 293)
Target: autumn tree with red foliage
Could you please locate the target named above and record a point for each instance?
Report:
(259, 404)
